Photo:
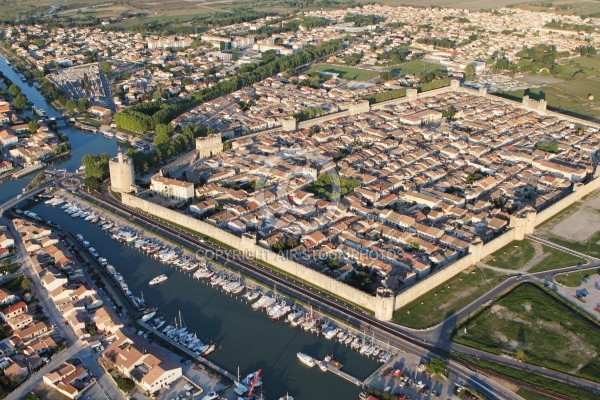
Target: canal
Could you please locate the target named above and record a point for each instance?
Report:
(81, 142)
(246, 339)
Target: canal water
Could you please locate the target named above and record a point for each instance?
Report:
(246, 339)
(81, 143)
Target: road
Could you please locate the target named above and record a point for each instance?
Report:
(24, 196)
(380, 330)
(76, 347)
(106, 86)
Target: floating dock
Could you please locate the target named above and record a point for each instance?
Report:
(187, 351)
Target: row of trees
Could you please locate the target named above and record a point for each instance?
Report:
(567, 26)
(308, 113)
(587, 51)
(168, 144)
(144, 117)
(395, 55)
(19, 99)
(364, 20)
(438, 42)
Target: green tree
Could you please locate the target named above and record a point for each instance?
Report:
(26, 283)
(96, 165)
(33, 126)
(20, 101)
(437, 366)
(125, 384)
(105, 67)
(385, 76)
(82, 105)
(71, 106)
(469, 72)
(14, 90)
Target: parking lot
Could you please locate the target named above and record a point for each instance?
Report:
(586, 295)
(182, 389)
(406, 378)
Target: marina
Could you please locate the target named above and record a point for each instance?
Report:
(81, 142)
(219, 314)
(275, 306)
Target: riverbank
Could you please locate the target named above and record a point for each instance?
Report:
(222, 317)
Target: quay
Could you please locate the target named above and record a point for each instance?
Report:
(187, 351)
(337, 371)
(87, 128)
(103, 269)
(28, 170)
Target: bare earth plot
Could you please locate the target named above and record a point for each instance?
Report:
(578, 227)
(582, 224)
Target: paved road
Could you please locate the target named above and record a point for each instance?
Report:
(562, 248)
(297, 290)
(12, 202)
(76, 347)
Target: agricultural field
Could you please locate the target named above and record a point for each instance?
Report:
(467, 4)
(578, 7)
(533, 325)
(445, 300)
(353, 74)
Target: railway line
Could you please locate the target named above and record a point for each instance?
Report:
(381, 330)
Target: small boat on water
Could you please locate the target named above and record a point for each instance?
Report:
(306, 359)
(253, 295)
(322, 366)
(158, 279)
(148, 317)
(108, 134)
(286, 397)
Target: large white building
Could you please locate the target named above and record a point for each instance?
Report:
(172, 188)
(148, 368)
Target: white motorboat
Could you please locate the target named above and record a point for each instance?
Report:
(306, 359)
(148, 317)
(322, 366)
(158, 279)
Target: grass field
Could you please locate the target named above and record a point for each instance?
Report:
(528, 394)
(415, 68)
(555, 259)
(541, 329)
(571, 97)
(353, 74)
(512, 256)
(516, 254)
(443, 301)
(573, 279)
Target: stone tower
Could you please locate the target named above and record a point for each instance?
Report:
(122, 175)
(209, 146)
